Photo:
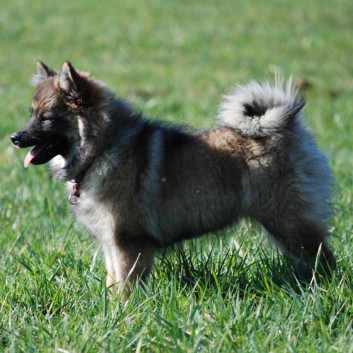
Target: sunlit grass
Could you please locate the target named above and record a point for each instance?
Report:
(230, 292)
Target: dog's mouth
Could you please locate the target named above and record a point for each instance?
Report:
(45, 151)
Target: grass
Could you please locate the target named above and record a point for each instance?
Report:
(173, 59)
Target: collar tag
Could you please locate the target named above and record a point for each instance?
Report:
(74, 198)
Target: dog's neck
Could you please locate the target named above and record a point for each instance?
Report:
(74, 197)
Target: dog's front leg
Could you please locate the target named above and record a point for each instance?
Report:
(110, 253)
(128, 259)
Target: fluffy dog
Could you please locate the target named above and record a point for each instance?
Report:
(139, 185)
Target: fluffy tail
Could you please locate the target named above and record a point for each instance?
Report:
(261, 110)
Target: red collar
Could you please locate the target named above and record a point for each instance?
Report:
(74, 197)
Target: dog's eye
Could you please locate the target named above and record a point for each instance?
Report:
(47, 116)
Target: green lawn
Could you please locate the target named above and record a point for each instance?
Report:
(173, 59)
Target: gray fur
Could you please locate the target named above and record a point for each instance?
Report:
(146, 186)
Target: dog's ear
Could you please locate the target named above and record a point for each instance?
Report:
(43, 73)
(69, 79)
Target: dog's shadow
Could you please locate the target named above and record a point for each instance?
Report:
(203, 272)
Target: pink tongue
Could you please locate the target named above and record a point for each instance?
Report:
(31, 155)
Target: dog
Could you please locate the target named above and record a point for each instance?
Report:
(140, 185)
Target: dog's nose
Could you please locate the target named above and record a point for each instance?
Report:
(15, 139)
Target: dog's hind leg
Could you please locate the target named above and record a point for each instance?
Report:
(292, 201)
(128, 259)
(305, 242)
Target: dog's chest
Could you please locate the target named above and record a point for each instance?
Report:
(95, 216)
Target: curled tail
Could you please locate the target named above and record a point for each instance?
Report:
(261, 109)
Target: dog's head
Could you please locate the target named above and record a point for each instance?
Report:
(60, 101)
